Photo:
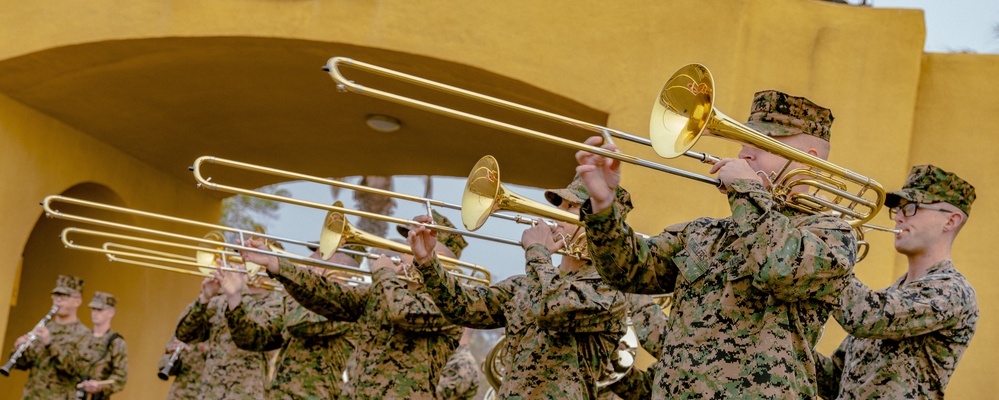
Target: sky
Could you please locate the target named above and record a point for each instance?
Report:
(954, 25)
(951, 26)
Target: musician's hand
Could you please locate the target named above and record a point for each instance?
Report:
(268, 261)
(43, 335)
(601, 175)
(21, 340)
(232, 284)
(209, 288)
(541, 233)
(173, 345)
(422, 240)
(91, 386)
(730, 169)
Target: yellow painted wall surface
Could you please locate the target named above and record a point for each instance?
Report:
(894, 107)
(42, 157)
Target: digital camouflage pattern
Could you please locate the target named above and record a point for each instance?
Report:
(751, 292)
(778, 114)
(402, 340)
(52, 372)
(313, 350)
(561, 329)
(460, 378)
(102, 300)
(649, 322)
(930, 184)
(230, 372)
(186, 371)
(905, 340)
(90, 360)
(68, 284)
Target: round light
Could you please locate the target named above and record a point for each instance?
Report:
(383, 123)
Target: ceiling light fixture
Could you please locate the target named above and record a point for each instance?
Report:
(383, 123)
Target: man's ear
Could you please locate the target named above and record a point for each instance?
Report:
(954, 221)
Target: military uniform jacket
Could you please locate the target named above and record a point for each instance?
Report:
(187, 369)
(905, 341)
(460, 378)
(230, 372)
(402, 340)
(751, 292)
(561, 329)
(51, 372)
(313, 350)
(98, 361)
(649, 322)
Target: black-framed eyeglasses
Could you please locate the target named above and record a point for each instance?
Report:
(909, 209)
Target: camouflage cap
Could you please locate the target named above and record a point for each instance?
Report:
(103, 300)
(575, 193)
(68, 284)
(930, 184)
(453, 241)
(778, 114)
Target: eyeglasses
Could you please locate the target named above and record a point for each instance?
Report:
(909, 209)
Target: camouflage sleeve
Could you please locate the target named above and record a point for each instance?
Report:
(829, 369)
(570, 305)
(625, 259)
(925, 305)
(792, 263)
(476, 306)
(327, 297)
(459, 377)
(409, 311)
(194, 325)
(635, 385)
(119, 371)
(252, 331)
(649, 322)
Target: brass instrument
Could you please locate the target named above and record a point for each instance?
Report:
(685, 109)
(207, 249)
(5, 370)
(485, 194)
(682, 111)
(336, 228)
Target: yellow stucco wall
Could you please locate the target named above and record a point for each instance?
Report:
(894, 107)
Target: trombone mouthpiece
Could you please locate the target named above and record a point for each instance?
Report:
(191, 168)
(326, 68)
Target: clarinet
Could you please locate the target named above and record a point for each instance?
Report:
(5, 370)
(164, 373)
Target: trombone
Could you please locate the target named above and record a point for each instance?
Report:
(208, 249)
(682, 111)
(337, 224)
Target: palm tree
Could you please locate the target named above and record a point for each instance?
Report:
(375, 203)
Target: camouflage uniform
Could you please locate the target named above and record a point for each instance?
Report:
(460, 378)
(188, 370)
(53, 370)
(97, 359)
(751, 292)
(402, 340)
(649, 322)
(906, 340)
(313, 350)
(560, 328)
(229, 373)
